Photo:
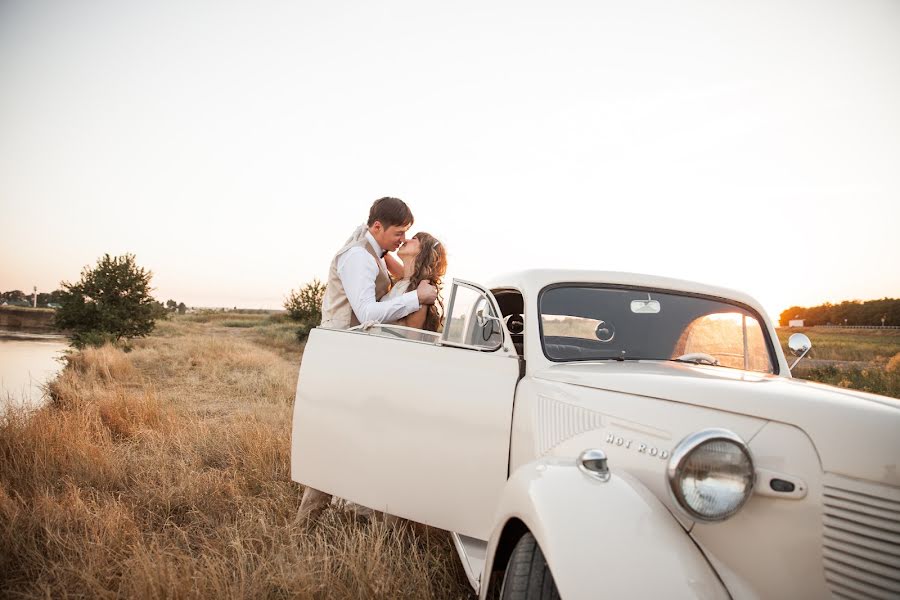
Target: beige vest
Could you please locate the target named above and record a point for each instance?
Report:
(336, 310)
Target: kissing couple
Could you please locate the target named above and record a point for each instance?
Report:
(368, 285)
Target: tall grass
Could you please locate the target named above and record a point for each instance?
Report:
(846, 344)
(860, 359)
(164, 473)
(868, 379)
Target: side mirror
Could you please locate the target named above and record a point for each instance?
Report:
(799, 345)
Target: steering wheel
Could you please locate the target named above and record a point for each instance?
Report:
(489, 328)
(699, 357)
(515, 324)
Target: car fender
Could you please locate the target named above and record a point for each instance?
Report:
(612, 539)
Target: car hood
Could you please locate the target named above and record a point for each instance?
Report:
(856, 434)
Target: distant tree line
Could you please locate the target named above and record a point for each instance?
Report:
(849, 312)
(54, 300)
(173, 306)
(20, 298)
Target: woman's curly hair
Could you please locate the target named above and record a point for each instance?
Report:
(431, 264)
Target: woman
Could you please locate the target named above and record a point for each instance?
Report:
(424, 258)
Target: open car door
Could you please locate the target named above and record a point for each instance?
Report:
(412, 423)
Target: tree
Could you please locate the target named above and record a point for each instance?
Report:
(306, 306)
(182, 308)
(849, 312)
(111, 301)
(159, 311)
(171, 304)
(14, 296)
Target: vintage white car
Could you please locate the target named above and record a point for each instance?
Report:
(596, 434)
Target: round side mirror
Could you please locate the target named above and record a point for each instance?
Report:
(799, 344)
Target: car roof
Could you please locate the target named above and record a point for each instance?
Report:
(531, 281)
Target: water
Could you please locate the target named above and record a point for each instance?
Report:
(26, 364)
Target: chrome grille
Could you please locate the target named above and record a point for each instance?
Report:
(861, 545)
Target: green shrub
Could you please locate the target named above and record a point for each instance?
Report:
(303, 331)
(110, 302)
(305, 305)
(81, 339)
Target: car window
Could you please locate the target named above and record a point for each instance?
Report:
(593, 323)
(722, 336)
(404, 333)
(472, 320)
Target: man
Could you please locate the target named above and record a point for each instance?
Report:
(358, 277)
(357, 281)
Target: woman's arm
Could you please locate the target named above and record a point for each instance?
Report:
(394, 266)
(416, 320)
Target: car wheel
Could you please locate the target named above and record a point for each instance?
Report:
(527, 575)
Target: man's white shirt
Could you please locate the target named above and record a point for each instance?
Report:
(358, 271)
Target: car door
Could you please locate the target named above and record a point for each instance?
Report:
(413, 424)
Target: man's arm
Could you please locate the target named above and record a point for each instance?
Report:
(358, 270)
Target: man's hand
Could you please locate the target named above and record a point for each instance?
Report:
(426, 292)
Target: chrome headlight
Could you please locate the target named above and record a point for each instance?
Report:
(711, 474)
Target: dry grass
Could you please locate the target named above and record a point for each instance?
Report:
(164, 473)
(846, 344)
(861, 359)
(893, 365)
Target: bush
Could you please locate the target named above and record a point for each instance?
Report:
(306, 305)
(303, 331)
(111, 301)
(84, 339)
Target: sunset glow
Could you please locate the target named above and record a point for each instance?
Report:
(233, 150)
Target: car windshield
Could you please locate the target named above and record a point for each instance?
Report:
(595, 323)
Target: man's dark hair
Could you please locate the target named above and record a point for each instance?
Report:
(390, 211)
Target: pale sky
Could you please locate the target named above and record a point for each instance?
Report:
(233, 146)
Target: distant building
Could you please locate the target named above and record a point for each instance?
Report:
(795, 323)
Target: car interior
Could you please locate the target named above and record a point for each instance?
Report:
(512, 310)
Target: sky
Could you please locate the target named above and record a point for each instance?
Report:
(233, 146)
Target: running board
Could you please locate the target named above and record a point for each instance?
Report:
(472, 554)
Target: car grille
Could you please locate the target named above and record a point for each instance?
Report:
(861, 544)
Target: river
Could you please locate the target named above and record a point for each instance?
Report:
(26, 364)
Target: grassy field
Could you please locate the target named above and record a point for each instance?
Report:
(163, 472)
(862, 359)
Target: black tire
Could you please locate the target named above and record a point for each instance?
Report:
(527, 575)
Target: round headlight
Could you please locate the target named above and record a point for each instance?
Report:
(711, 474)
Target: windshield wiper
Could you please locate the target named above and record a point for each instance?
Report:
(696, 361)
